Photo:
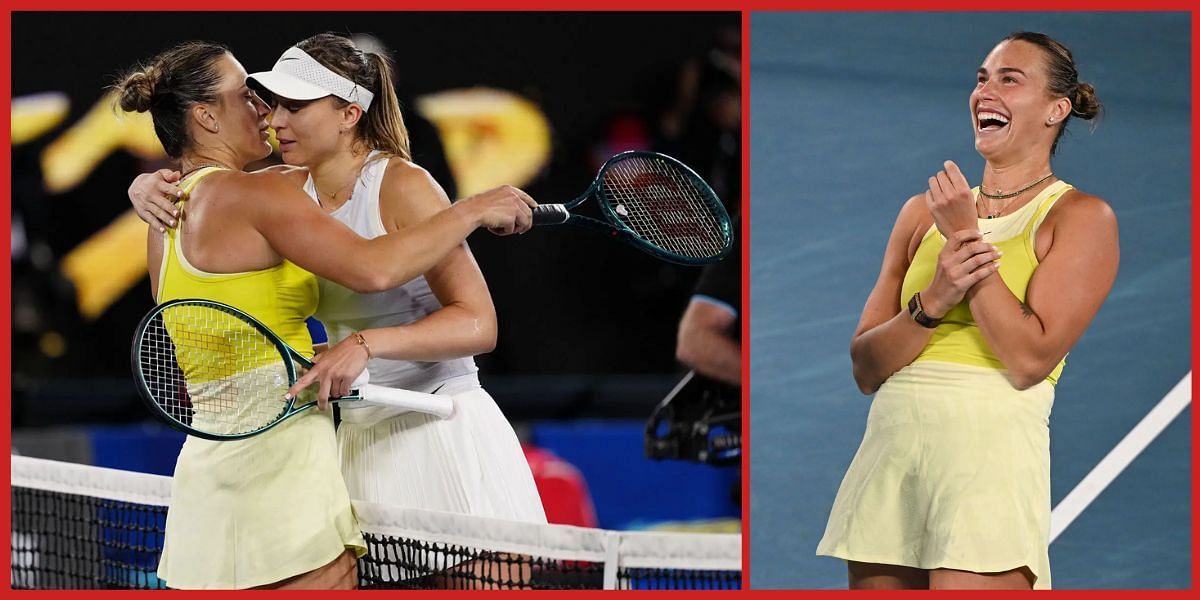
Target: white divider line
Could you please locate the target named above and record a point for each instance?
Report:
(1121, 455)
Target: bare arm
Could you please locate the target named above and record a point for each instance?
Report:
(154, 258)
(1066, 291)
(300, 231)
(466, 323)
(153, 195)
(464, 326)
(705, 343)
(887, 339)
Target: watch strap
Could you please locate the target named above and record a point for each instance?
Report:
(917, 311)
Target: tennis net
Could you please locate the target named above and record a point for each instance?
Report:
(84, 527)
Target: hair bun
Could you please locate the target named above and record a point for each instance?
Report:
(137, 90)
(1084, 103)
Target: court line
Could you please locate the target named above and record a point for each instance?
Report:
(1121, 456)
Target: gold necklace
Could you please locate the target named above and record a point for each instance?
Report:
(333, 196)
(1000, 195)
(993, 213)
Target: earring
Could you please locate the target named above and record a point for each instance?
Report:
(216, 126)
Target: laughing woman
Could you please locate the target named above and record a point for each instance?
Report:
(962, 348)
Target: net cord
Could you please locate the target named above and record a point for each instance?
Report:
(631, 549)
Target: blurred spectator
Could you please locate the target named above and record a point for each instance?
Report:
(564, 491)
(700, 419)
(702, 127)
(710, 331)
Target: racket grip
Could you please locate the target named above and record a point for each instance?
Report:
(550, 214)
(440, 406)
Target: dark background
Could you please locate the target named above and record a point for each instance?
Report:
(574, 308)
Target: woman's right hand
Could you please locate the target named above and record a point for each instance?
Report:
(503, 211)
(964, 261)
(950, 200)
(153, 197)
(336, 369)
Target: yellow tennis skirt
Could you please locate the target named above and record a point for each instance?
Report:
(953, 472)
(255, 511)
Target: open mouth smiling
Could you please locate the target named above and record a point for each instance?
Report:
(987, 120)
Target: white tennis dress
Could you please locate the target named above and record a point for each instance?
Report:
(468, 463)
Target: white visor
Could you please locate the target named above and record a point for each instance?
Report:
(298, 76)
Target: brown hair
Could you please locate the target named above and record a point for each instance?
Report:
(173, 82)
(1063, 79)
(382, 127)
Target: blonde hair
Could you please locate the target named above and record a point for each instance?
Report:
(381, 128)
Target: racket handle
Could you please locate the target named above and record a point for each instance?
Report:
(550, 214)
(440, 406)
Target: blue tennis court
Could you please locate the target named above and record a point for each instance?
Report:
(850, 114)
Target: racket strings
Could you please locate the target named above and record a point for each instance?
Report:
(665, 207)
(212, 371)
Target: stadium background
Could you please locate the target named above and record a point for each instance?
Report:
(587, 327)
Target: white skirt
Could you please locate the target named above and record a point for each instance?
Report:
(469, 463)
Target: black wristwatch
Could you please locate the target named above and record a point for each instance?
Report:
(917, 311)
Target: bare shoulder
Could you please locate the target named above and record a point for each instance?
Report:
(407, 178)
(294, 173)
(915, 209)
(253, 191)
(409, 194)
(268, 179)
(912, 222)
(1077, 209)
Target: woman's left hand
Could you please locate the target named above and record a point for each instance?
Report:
(950, 201)
(335, 369)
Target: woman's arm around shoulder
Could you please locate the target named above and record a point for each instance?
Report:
(297, 229)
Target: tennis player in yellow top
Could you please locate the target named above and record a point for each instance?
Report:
(421, 336)
(981, 295)
(272, 510)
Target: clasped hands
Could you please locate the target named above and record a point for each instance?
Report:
(966, 259)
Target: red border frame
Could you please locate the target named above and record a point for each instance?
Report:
(745, 333)
(1195, 219)
(6, 302)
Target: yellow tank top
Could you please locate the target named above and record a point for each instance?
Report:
(281, 297)
(958, 339)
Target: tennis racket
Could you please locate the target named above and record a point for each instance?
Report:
(215, 372)
(655, 203)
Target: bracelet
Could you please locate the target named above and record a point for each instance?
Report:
(917, 311)
(362, 341)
